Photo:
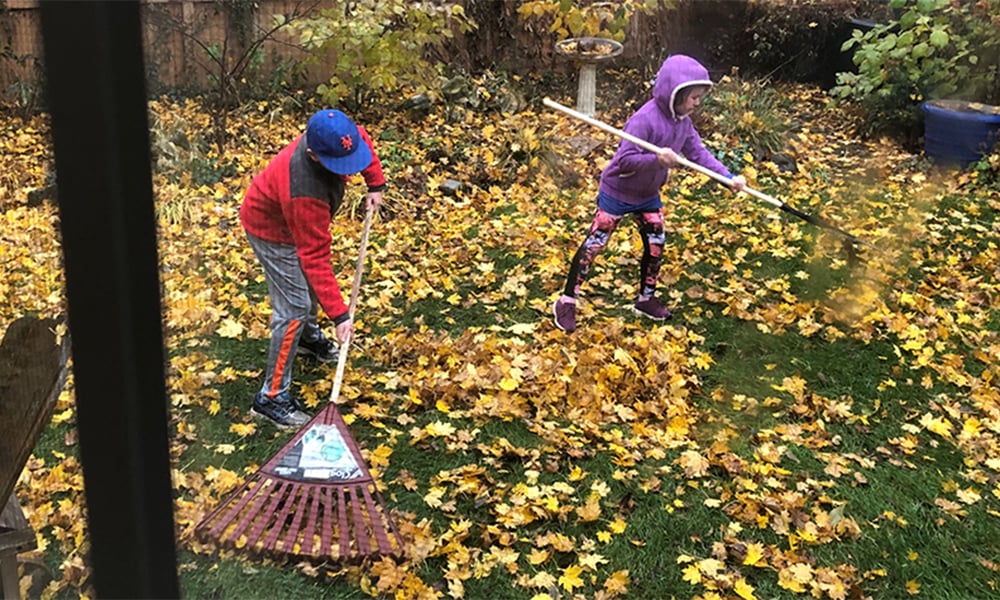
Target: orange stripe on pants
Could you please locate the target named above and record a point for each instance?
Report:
(285, 356)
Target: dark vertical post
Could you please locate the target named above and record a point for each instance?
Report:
(97, 98)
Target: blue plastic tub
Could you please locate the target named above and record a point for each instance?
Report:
(957, 132)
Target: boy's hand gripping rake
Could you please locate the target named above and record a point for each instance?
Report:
(315, 499)
(720, 178)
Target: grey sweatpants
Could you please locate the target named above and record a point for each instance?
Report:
(293, 310)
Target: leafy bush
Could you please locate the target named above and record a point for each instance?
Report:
(236, 66)
(374, 47)
(987, 169)
(935, 49)
(590, 19)
(798, 40)
(748, 111)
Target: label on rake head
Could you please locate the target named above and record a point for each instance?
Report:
(321, 453)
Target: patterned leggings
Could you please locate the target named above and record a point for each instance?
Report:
(650, 225)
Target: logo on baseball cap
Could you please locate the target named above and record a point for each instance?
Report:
(334, 139)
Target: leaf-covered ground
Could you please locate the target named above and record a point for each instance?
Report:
(811, 423)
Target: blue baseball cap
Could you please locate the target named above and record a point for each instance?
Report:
(334, 139)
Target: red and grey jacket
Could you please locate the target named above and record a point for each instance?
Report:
(292, 201)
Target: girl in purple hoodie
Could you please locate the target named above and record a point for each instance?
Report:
(631, 182)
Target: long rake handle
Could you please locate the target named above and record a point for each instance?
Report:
(692, 165)
(656, 149)
(355, 290)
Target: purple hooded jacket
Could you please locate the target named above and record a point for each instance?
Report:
(634, 176)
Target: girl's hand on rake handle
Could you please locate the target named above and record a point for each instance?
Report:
(668, 158)
(738, 183)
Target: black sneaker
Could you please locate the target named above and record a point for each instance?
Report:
(278, 410)
(321, 349)
(300, 405)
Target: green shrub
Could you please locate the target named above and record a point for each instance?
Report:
(935, 49)
(375, 47)
(798, 40)
(569, 19)
(749, 112)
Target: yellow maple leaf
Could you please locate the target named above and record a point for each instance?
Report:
(968, 496)
(379, 457)
(243, 429)
(439, 429)
(64, 416)
(617, 582)
(592, 560)
(433, 497)
(617, 526)
(695, 465)
(213, 407)
(570, 579)
(591, 511)
(938, 425)
(795, 576)
(692, 574)
(508, 384)
(561, 542)
(542, 579)
(744, 590)
(755, 552)
(538, 556)
(912, 587)
(522, 328)
(230, 329)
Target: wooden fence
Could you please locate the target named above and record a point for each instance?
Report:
(178, 36)
(180, 33)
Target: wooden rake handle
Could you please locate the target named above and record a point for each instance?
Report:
(355, 290)
(656, 149)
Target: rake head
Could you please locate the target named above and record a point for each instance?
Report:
(315, 500)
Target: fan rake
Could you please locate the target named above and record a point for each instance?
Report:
(315, 499)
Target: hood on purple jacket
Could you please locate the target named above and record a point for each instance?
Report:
(634, 175)
(676, 73)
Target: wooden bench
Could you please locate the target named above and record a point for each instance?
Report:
(32, 372)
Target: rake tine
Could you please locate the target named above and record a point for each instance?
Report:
(326, 536)
(360, 531)
(345, 536)
(301, 503)
(308, 542)
(381, 539)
